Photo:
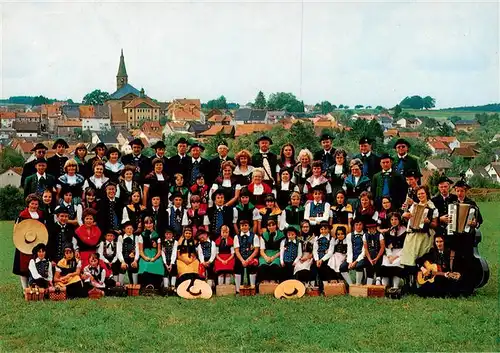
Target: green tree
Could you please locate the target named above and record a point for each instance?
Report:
(212, 143)
(260, 101)
(324, 107)
(10, 158)
(96, 97)
(454, 118)
(429, 102)
(379, 107)
(413, 102)
(375, 131)
(432, 182)
(358, 106)
(341, 106)
(11, 203)
(219, 103)
(477, 181)
(446, 130)
(346, 107)
(163, 120)
(39, 100)
(397, 111)
(458, 165)
(285, 101)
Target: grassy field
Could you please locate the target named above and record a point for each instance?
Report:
(443, 114)
(252, 324)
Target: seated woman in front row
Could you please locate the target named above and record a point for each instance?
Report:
(68, 271)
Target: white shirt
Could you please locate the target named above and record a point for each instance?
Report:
(213, 251)
(282, 252)
(348, 241)
(34, 215)
(119, 247)
(34, 272)
(103, 249)
(173, 257)
(196, 160)
(328, 253)
(339, 168)
(206, 220)
(185, 220)
(256, 242)
(318, 219)
(39, 176)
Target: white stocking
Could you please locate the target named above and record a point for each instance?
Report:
(237, 282)
(395, 281)
(359, 277)
(135, 278)
(220, 279)
(228, 279)
(346, 277)
(24, 282)
(253, 279)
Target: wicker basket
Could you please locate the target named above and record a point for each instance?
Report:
(267, 288)
(334, 289)
(95, 293)
(225, 289)
(57, 293)
(357, 290)
(247, 291)
(313, 291)
(34, 294)
(133, 290)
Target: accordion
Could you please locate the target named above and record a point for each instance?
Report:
(418, 216)
(460, 215)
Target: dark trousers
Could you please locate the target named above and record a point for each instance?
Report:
(287, 271)
(268, 273)
(372, 270)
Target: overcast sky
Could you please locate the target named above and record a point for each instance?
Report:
(367, 53)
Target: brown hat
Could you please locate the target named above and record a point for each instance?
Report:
(194, 289)
(290, 289)
(28, 234)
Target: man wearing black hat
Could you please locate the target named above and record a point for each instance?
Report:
(388, 182)
(327, 154)
(412, 180)
(181, 161)
(60, 234)
(100, 155)
(110, 209)
(219, 215)
(40, 180)
(159, 148)
(403, 160)
(442, 201)
(136, 158)
(55, 164)
(197, 164)
(216, 162)
(267, 160)
(371, 162)
(40, 150)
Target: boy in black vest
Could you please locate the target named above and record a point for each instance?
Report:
(219, 215)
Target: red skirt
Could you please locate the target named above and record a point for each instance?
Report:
(84, 257)
(21, 264)
(219, 266)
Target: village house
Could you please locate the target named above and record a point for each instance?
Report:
(7, 119)
(141, 108)
(481, 172)
(439, 164)
(385, 120)
(66, 128)
(97, 118)
(26, 129)
(246, 129)
(186, 110)
(493, 170)
(251, 116)
(224, 130)
(438, 147)
(409, 123)
(450, 141)
(467, 153)
(11, 177)
(466, 125)
(220, 120)
(105, 137)
(174, 127)
(273, 116)
(409, 134)
(196, 128)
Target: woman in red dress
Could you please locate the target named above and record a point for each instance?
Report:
(88, 236)
(258, 189)
(21, 261)
(224, 261)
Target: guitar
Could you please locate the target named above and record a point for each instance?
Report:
(433, 271)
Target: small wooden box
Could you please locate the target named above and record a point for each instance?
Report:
(225, 289)
(133, 290)
(57, 293)
(34, 294)
(247, 291)
(95, 293)
(376, 291)
(313, 291)
(267, 288)
(357, 290)
(334, 289)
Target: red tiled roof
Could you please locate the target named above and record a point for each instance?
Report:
(439, 145)
(409, 134)
(139, 100)
(28, 115)
(219, 118)
(69, 123)
(7, 115)
(26, 146)
(86, 111)
(214, 130)
(245, 129)
(464, 152)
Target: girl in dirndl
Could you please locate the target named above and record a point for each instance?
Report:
(187, 262)
(151, 269)
(302, 269)
(420, 238)
(391, 264)
(67, 275)
(21, 261)
(224, 260)
(339, 249)
(269, 261)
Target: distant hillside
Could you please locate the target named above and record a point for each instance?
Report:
(493, 107)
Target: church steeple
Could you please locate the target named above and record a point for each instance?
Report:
(121, 77)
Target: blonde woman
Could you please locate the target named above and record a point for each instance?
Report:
(72, 181)
(303, 169)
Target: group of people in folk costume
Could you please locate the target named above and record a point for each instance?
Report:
(312, 217)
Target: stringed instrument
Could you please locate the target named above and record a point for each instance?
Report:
(433, 271)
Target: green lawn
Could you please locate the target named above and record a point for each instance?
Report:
(444, 114)
(252, 324)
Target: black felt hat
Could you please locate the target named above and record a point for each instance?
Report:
(60, 142)
(39, 146)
